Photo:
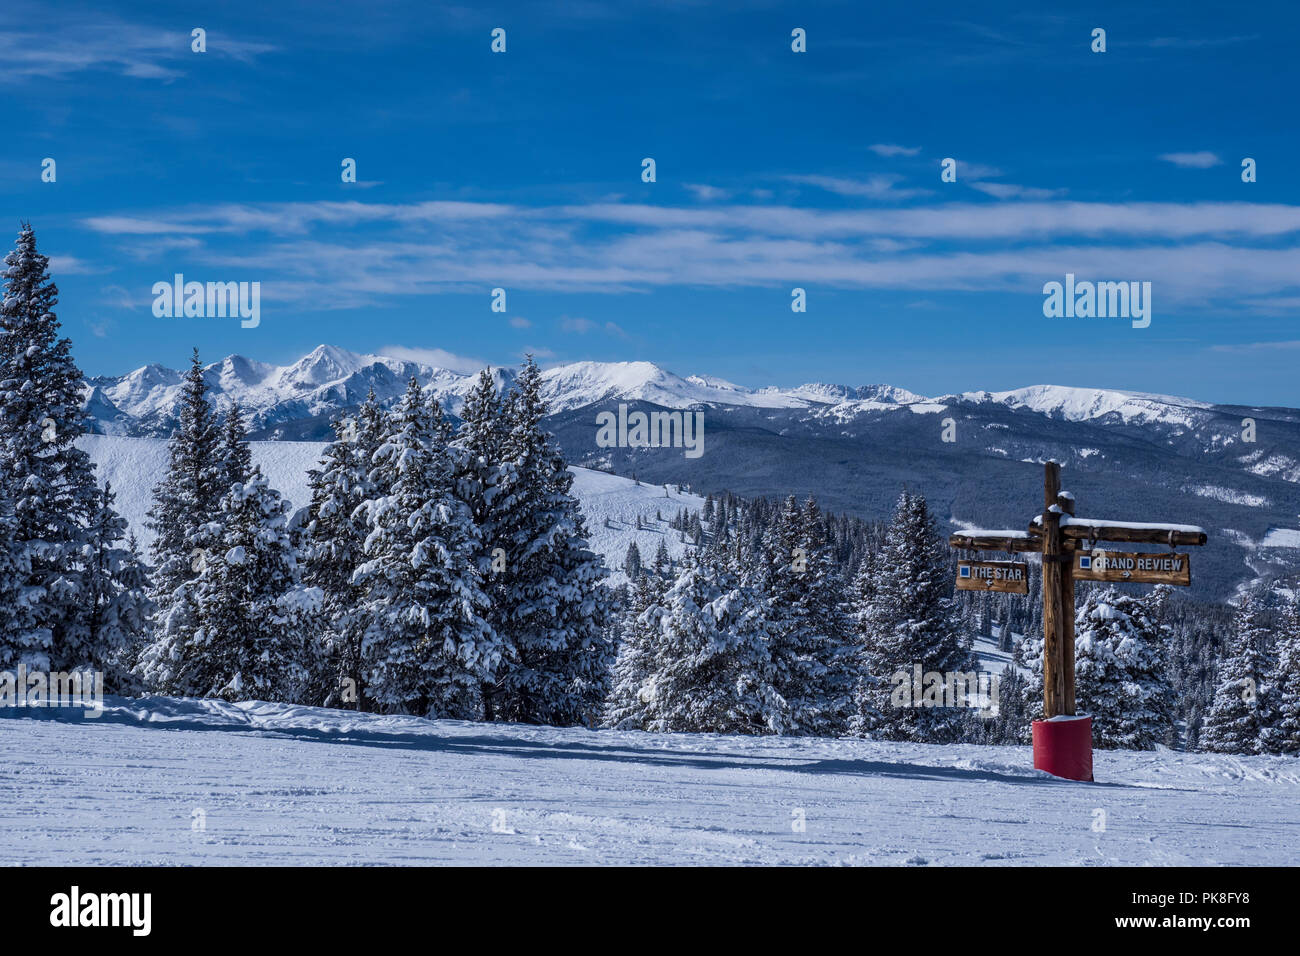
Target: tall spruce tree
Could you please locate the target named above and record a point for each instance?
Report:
(17, 614)
(334, 547)
(811, 632)
(909, 618)
(632, 679)
(712, 671)
(1121, 671)
(1239, 713)
(233, 451)
(116, 598)
(1283, 736)
(481, 478)
(251, 619)
(428, 647)
(50, 480)
(189, 493)
(557, 611)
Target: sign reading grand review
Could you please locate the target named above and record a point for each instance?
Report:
(75, 909)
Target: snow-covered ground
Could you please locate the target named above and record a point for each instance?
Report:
(274, 784)
(610, 504)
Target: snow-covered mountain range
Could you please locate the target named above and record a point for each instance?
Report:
(329, 379)
(1232, 469)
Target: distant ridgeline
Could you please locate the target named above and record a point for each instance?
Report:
(1233, 470)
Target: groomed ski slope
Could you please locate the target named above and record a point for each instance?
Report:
(278, 784)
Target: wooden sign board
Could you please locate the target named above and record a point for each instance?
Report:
(1009, 576)
(1133, 567)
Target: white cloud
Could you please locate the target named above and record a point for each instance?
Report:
(1201, 160)
(706, 193)
(436, 357)
(889, 149)
(519, 322)
(1012, 191)
(879, 186)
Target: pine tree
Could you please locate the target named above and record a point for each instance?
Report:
(1238, 714)
(810, 643)
(50, 481)
(17, 613)
(557, 610)
(253, 620)
(1283, 736)
(334, 547)
(233, 452)
(481, 479)
(907, 617)
(188, 495)
(639, 628)
(116, 598)
(1121, 677)
(632, 562)
(712, 672)
(428, 647)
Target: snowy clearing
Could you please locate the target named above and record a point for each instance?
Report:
(610, 504)
(275, 783)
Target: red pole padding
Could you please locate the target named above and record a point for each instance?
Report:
(1063, 747)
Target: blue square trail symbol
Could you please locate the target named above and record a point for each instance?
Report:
(965, 570)
(1085, 562)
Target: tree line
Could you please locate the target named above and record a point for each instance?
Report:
(441, 569)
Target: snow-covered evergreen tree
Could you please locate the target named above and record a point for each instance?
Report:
(188, 495)
(17, 614)
(481, 477)
(117, 605)
(909, 617)
(632, 562)
(428, 647)
(1239, 714)
(1283, 734)
(50, 480)
(556, 611)
(1121, 676)
(639, 630)
(236, 458)
(712, 672)
(250, 619)
(334, 547)
(811, 632)
(1120, 667)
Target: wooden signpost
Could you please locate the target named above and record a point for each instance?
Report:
(1011, 577)
(1068, 545)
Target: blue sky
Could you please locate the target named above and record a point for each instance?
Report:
(775, 169)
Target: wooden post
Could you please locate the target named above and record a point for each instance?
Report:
(1067, 613)
(1054, 672)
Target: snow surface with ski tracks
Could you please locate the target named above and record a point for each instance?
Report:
(280, 784)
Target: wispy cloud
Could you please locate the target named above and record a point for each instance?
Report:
(104, 43)
(332, 255)
(890, 149)
(1012, 191)
(583, 326)
(1201, 160)
(439, 358)
(879, 186)
(707, 193)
